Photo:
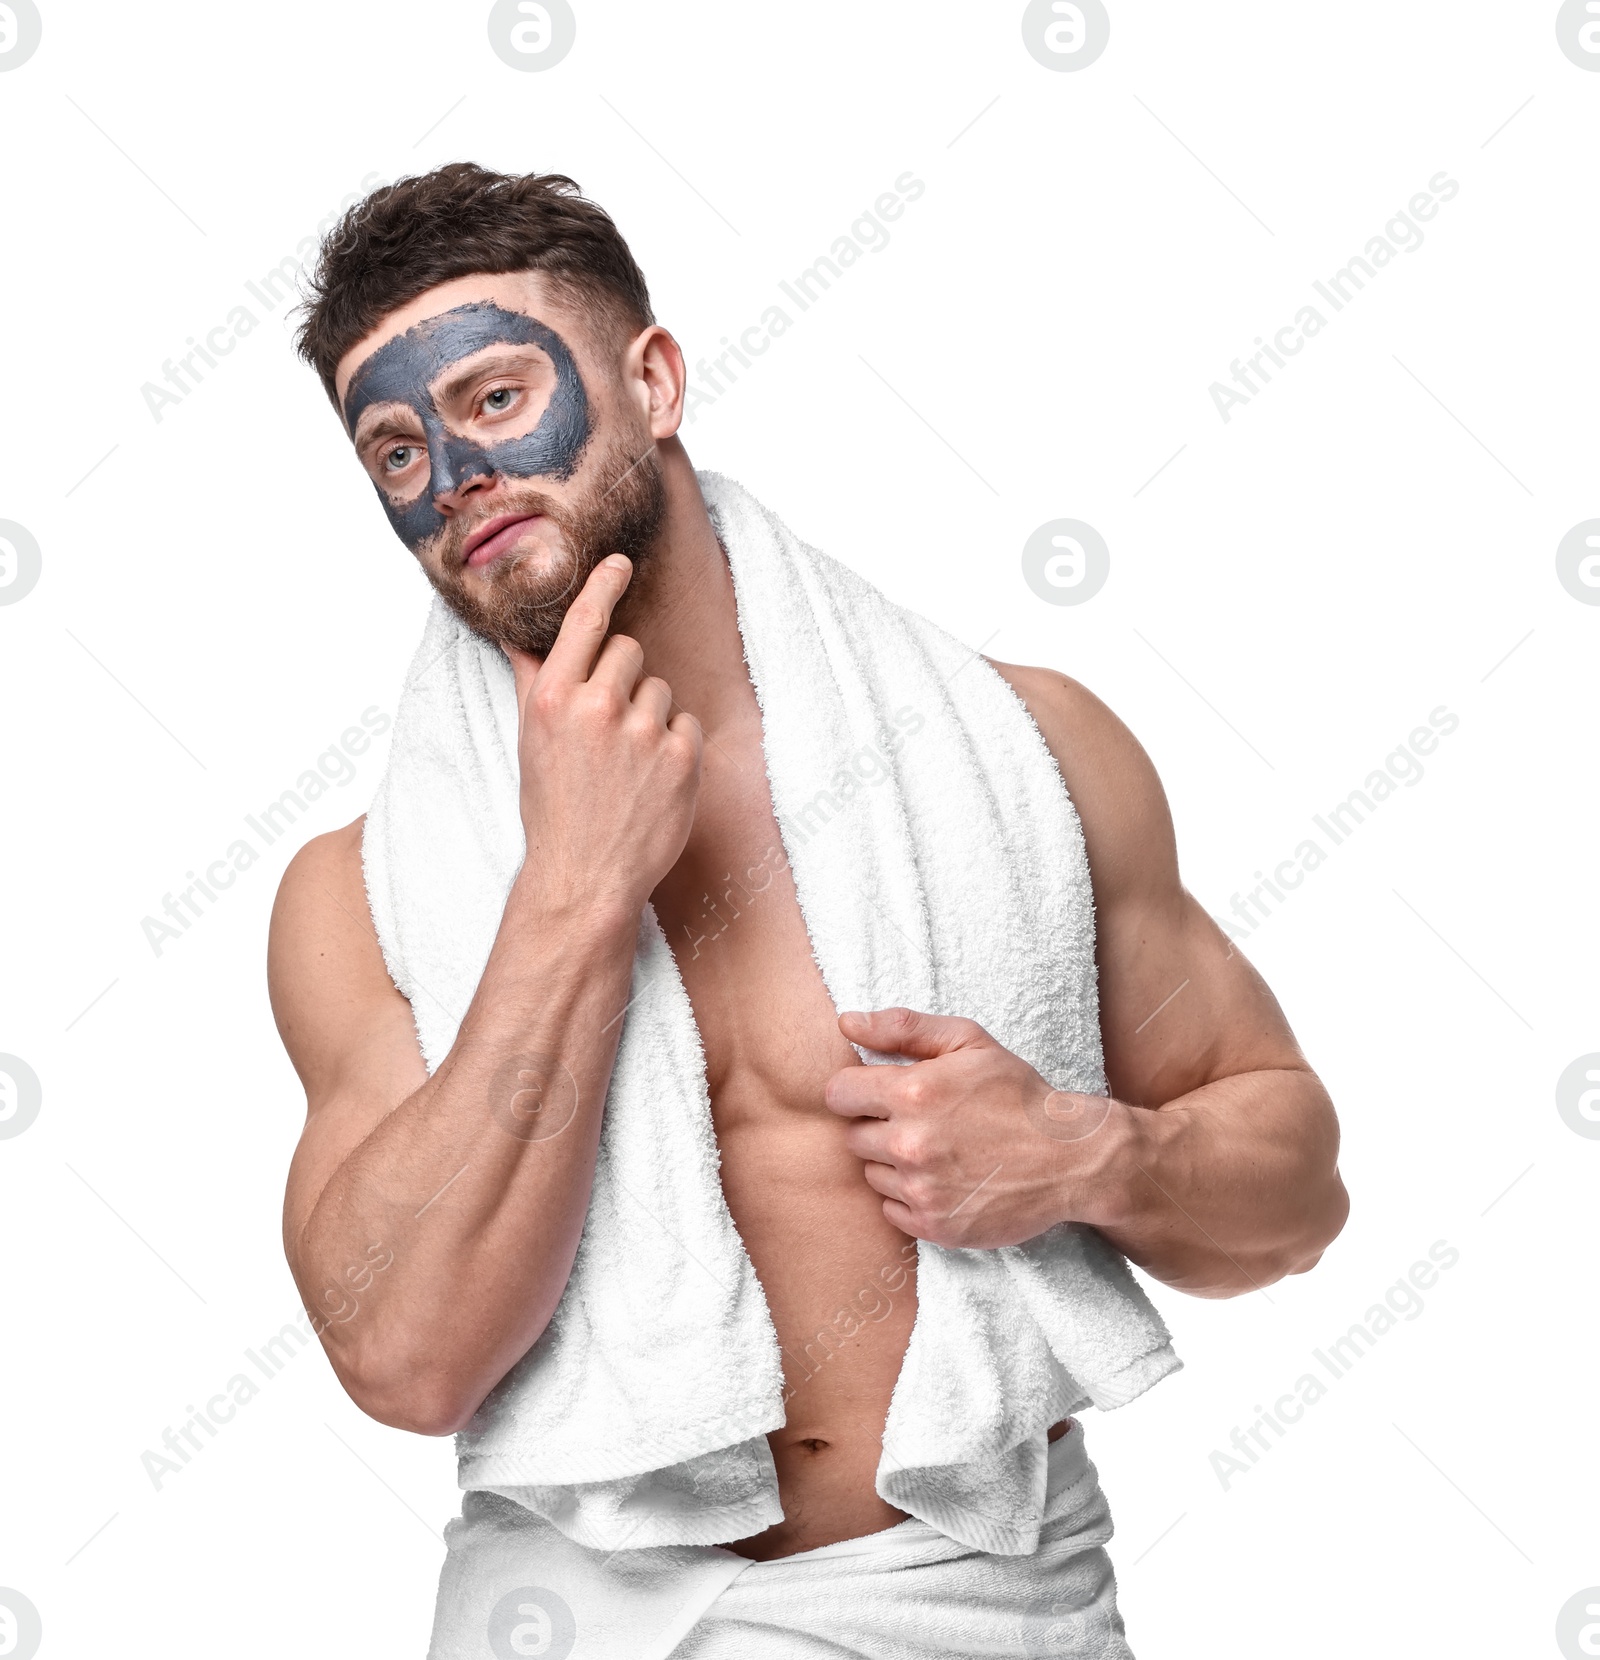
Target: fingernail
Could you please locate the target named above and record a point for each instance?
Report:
(617, 561)
(851, 1014)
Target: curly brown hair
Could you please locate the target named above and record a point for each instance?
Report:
(464, 220)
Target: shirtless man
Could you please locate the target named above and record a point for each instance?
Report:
(643, 779)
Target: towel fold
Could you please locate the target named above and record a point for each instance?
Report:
(906, 1590)
(939, 864)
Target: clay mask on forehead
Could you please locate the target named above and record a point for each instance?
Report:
(403, 370)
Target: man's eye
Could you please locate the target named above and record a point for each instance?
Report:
(399, 458)
(498, 401)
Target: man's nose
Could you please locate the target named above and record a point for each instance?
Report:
(459, 467)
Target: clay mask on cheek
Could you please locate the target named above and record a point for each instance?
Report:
(404, 369)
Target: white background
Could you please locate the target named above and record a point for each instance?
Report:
(1364, 542)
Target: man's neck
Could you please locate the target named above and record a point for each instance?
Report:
(680, 607)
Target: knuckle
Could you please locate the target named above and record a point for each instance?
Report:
(585, 615)
(597, 705)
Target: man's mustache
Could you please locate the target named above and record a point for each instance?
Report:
(452, 549)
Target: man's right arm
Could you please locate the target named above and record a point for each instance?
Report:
(431, 1223)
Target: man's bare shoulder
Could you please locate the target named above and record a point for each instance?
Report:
(1073, 720)
(324, 877)
(1127, 824)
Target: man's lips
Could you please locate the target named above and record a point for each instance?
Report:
(498, 536)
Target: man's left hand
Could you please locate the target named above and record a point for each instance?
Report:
(968, 1145)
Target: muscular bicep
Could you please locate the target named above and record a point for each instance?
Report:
(348, 1031)
(1180, 1006)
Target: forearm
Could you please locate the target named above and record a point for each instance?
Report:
(1227, 1188)
(477, 1183)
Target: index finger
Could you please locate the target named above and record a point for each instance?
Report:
(865, 1091)
(583, 629)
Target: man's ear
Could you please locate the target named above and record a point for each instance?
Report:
(656, 376)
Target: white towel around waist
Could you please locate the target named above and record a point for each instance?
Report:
(906, 1591)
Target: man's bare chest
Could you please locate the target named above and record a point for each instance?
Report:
(731, 914)
(834, 1269)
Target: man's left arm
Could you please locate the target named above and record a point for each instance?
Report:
(1214, 1163)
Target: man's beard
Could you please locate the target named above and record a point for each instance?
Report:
(521, 598)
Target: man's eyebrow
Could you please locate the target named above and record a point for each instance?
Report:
(383, 419)
(510, 360)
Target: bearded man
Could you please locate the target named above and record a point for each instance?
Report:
(749, 1034)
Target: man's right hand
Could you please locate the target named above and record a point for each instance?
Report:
(478, 1224)
(609, 774)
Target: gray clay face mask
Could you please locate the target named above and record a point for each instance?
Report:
(402, 371)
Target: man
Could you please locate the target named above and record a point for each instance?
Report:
(488, 343)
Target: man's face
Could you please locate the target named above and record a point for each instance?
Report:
(504, 450)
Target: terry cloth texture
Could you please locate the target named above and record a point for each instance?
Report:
(907, 1593)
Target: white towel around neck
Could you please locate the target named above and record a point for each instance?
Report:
(940, 867)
